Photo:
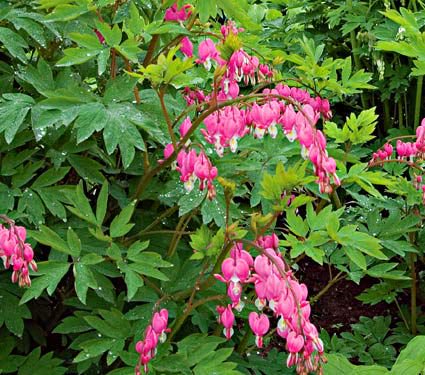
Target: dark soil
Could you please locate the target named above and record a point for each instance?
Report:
(339, 308)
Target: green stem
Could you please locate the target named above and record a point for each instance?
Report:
(151, 50)
(331, 282)
(400, 114)
(418, 100)
(166, 213)
(406, 111)
(401, 314)
(179, 321)
(354, 49)
(244, 342)
(184, 221)
(413, 294)
(161, 93)
(335, 198)
(387, 116)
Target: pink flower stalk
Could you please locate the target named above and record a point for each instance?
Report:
(186, 47)
(274, 285)
(154, 334)
(226, 318)
(406, 150)
(230, 28)
(179, 15)
(259, 324)
(293, 108)
(16, 253)
(195, 96)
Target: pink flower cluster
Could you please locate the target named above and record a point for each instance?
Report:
(293, 110)
(404, 150)
(175, 14)
(16, 253)
(226, 126)
(193, 166)
(277, 291)
(155, 333)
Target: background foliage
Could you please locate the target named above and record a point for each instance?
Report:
(114, 235)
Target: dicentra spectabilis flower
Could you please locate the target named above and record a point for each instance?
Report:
(159, 324)
(154, 334)
(185, 127)
(287, 298)
(230, 28)
(226, 318)
(186, 166)
(206, 173)
(16, 253)
(186, 47)
(207, 51)
(260, 325)
(175, 14)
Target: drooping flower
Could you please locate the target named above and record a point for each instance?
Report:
(154, 334)
(15, 252)
(186, 47)
(175, 14)
(226, 318)
(260, 325)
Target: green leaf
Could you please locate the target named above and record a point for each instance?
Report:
(72, 324)
(113, 324)
(12, 313)
(87, 168)
(12, 114)
(35, 364)
(411, 360)
(75, 56)
(82, 207)
(190, 201)
(332, 225)
(112, 35)
(135, 249)
(91, 258)
(337, 365)
(91, 118)
(84, 279)
(206, 9)
(90, 41)
(93, 348)
(50, 177)
(119, 225)
(74, 242)
(367, 244)
(120, 131)
(296, 223)
(356, 257)
(49, 273)
(130, 50)
(133, 281)
(14, 43)
(48, 237)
